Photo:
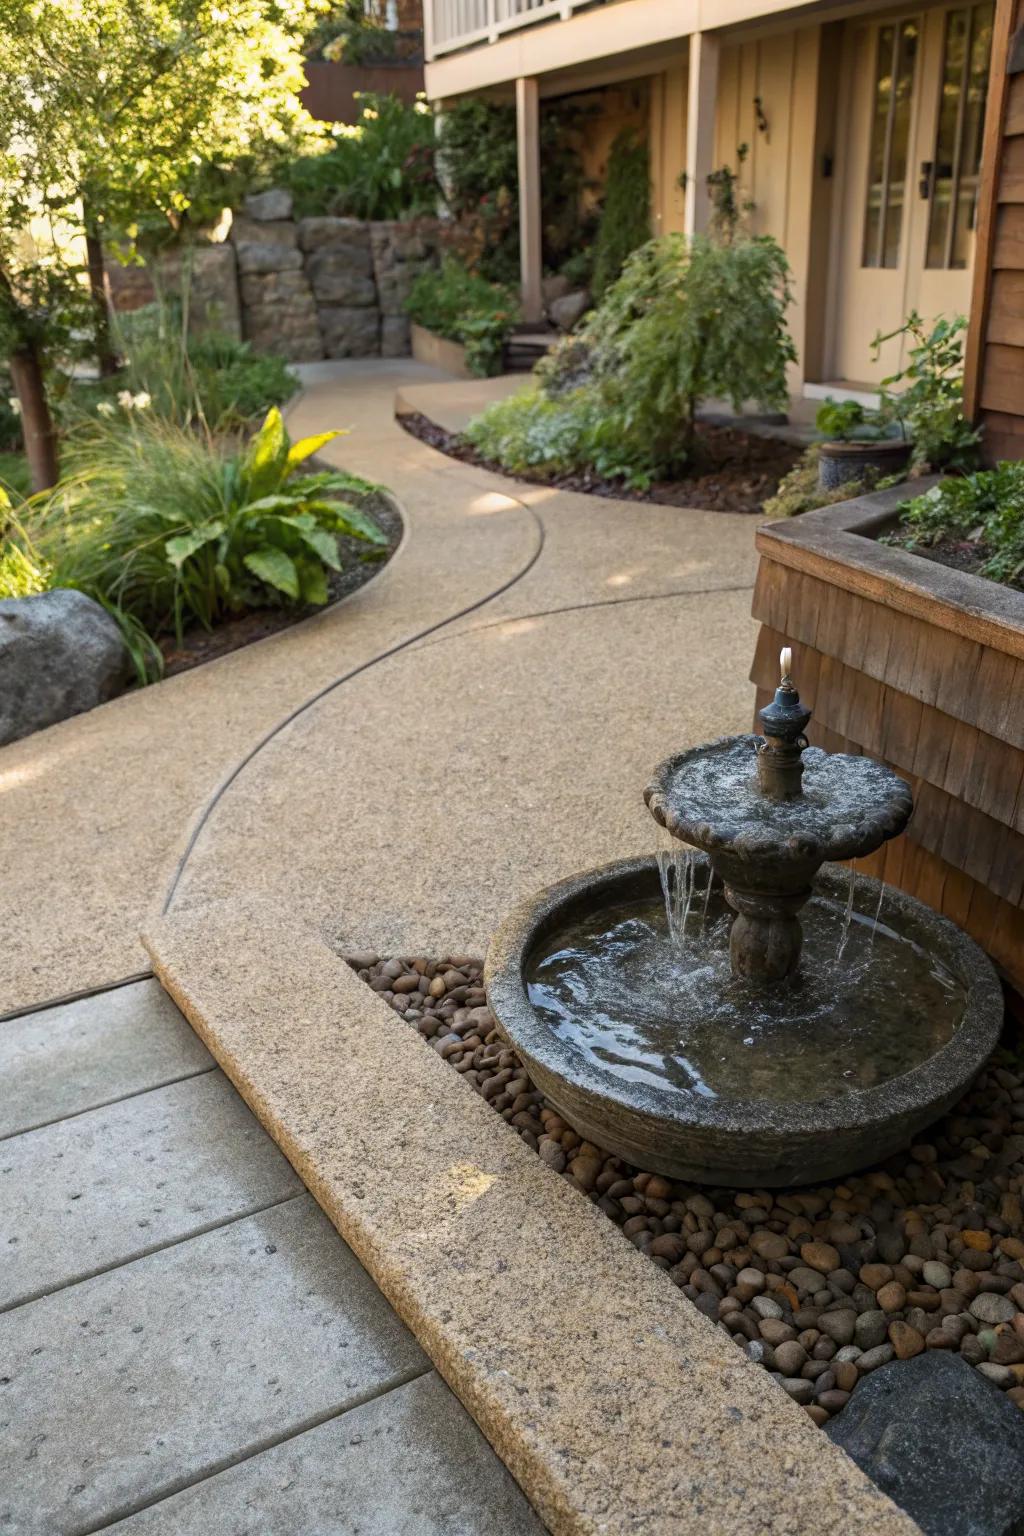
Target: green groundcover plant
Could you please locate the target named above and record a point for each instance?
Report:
(464, 307)
(168, 532)
(983, 511)
(686, 320)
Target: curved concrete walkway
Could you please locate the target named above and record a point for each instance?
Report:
(407, 808)
(494, 700)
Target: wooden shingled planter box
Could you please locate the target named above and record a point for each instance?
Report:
(922, 667)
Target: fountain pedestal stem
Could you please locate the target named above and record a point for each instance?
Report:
(766, 937)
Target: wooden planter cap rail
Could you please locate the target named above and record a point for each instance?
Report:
(838, 545)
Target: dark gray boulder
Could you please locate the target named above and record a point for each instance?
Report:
(60, 653)
(942, 1442)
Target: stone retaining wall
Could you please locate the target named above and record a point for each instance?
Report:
(305, 288)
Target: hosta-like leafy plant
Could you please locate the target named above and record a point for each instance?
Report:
(167, 532)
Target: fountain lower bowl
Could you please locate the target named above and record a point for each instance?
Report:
(724, 1139)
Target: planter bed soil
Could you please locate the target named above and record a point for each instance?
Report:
(735, 471)
(200, 645)
(955, 554)
(820, 1286)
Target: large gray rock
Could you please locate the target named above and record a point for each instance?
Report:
(567, 310)
(321, 231)
(60, 654)
(264, 231)
(269, 256)
(350, 332)
(275, 203)
(334, 279)
(395, 339)
(280, 316)
(942, 1442)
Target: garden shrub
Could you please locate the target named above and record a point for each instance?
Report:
(684, 321)
(167, 532)
(930, 406)
(479, 174)
(984, 510)
(626, 215)
(464, 307)
(381, 167)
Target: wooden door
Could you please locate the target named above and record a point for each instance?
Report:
(915, 85)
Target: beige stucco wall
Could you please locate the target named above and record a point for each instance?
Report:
(782, 173)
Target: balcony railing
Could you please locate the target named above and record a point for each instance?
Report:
(452, 24)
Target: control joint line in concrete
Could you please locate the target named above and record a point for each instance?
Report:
(393, 650)
(144, 1253)
(75, 997)
(598, 602)
(180, 1485)
(120, 1098)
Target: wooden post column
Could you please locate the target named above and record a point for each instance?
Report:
(701, 102)
(528, 144)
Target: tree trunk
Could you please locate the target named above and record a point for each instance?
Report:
(37, 427)
(98, 290)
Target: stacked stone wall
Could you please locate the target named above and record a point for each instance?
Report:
(327, 287)
(303, 288)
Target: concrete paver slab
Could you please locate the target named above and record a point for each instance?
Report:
(105, 1186)
(411, 1463)
(134, 1384)
(60, 1061)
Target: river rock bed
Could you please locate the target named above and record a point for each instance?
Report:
(820, 1286)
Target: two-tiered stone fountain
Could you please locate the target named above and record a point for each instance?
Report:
(745, 1014)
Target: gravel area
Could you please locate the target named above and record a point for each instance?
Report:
(822, 1285)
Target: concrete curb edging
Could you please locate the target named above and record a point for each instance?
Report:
(615, 1404)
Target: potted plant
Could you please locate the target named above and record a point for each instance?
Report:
(860, 444)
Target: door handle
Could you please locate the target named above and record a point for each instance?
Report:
(925, 185)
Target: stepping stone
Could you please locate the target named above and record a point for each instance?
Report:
(60, 1061)
(114, 1183)
(411, 1463)
(137, 1383)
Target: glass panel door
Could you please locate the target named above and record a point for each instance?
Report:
(895, 60)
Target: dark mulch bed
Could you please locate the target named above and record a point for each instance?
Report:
(201, 645)
(734, 471)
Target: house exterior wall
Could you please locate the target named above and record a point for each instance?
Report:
(782, 173)
(995, 354)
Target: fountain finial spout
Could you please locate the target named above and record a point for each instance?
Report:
(780, 768)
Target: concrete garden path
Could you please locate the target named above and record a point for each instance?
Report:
(494, 700)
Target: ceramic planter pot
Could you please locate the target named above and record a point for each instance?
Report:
(841, 463)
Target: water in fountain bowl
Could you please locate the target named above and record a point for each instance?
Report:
(867, 1006)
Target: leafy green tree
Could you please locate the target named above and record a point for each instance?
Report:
(115, 115)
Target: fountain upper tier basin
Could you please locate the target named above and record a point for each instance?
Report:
(709, 796)
(652, 1049)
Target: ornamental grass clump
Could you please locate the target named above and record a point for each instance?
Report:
(167, 531)
(687, 319)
